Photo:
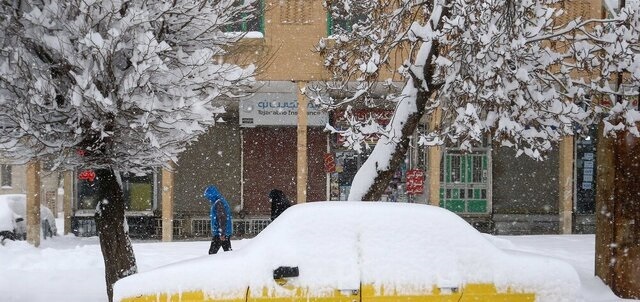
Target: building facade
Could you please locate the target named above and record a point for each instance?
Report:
(264, 143)
(13, 180)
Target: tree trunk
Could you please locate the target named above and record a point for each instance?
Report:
(618, 214)
(383, 177)
(119, 260)
(425, 91)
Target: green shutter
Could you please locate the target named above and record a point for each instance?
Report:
(455, 205)
(477, 206)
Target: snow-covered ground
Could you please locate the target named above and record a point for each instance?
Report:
(67, 268)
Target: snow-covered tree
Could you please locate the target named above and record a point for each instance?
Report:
(522, 72)
(116, 86)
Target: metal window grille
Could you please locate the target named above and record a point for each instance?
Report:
(455, 168)
(257, 225)
(250, 227)
(85, 228)
(201, 227)
(477, 169)
(295, 12)
(178, 227)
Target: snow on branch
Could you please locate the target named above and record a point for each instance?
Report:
(521, 72)
(130, 83)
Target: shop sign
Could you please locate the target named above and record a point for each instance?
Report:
(277, 109)
(329, 163)
(381, 116)
(415, 181)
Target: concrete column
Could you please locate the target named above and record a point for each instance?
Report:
(67, 200)
(167, 203)
(435, 156)
(565, 183)
(302, 168)
(33, 203)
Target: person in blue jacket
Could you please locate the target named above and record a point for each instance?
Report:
(221, 225)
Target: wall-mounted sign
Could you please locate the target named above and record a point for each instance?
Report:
(415, 181)
(329, 163)
(277, 109)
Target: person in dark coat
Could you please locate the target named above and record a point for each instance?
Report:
(221, 220)
(279, 203)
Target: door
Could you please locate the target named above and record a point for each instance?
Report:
(464, 182)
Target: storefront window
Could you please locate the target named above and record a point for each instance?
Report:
(138, 193)
(348, 162)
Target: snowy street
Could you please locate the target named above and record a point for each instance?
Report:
(69, 268)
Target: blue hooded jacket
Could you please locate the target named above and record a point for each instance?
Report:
(214, 196)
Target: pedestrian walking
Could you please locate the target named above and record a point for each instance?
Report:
(221, 220)
(279, 203)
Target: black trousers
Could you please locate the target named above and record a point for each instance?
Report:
(216, 243)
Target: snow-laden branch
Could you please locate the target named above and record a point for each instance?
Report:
(130, 83)
(508, 69)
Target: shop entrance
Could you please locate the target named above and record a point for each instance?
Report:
(465, 186)
(347, 164)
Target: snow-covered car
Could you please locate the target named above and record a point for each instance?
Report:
(13, 213)
(360, 251)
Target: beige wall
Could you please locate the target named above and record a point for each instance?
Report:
(292, 29)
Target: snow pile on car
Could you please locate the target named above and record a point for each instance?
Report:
(339, 245)
(7, 219)
(14, 206)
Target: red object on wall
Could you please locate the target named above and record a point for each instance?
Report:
(329, 163)
(87, 175)
(415, 181)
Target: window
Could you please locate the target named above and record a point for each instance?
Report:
(5, 175)
(341, 23)
(295, 12)
(456, 167)
(138, 193)
(477, 170)
(249, 22)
